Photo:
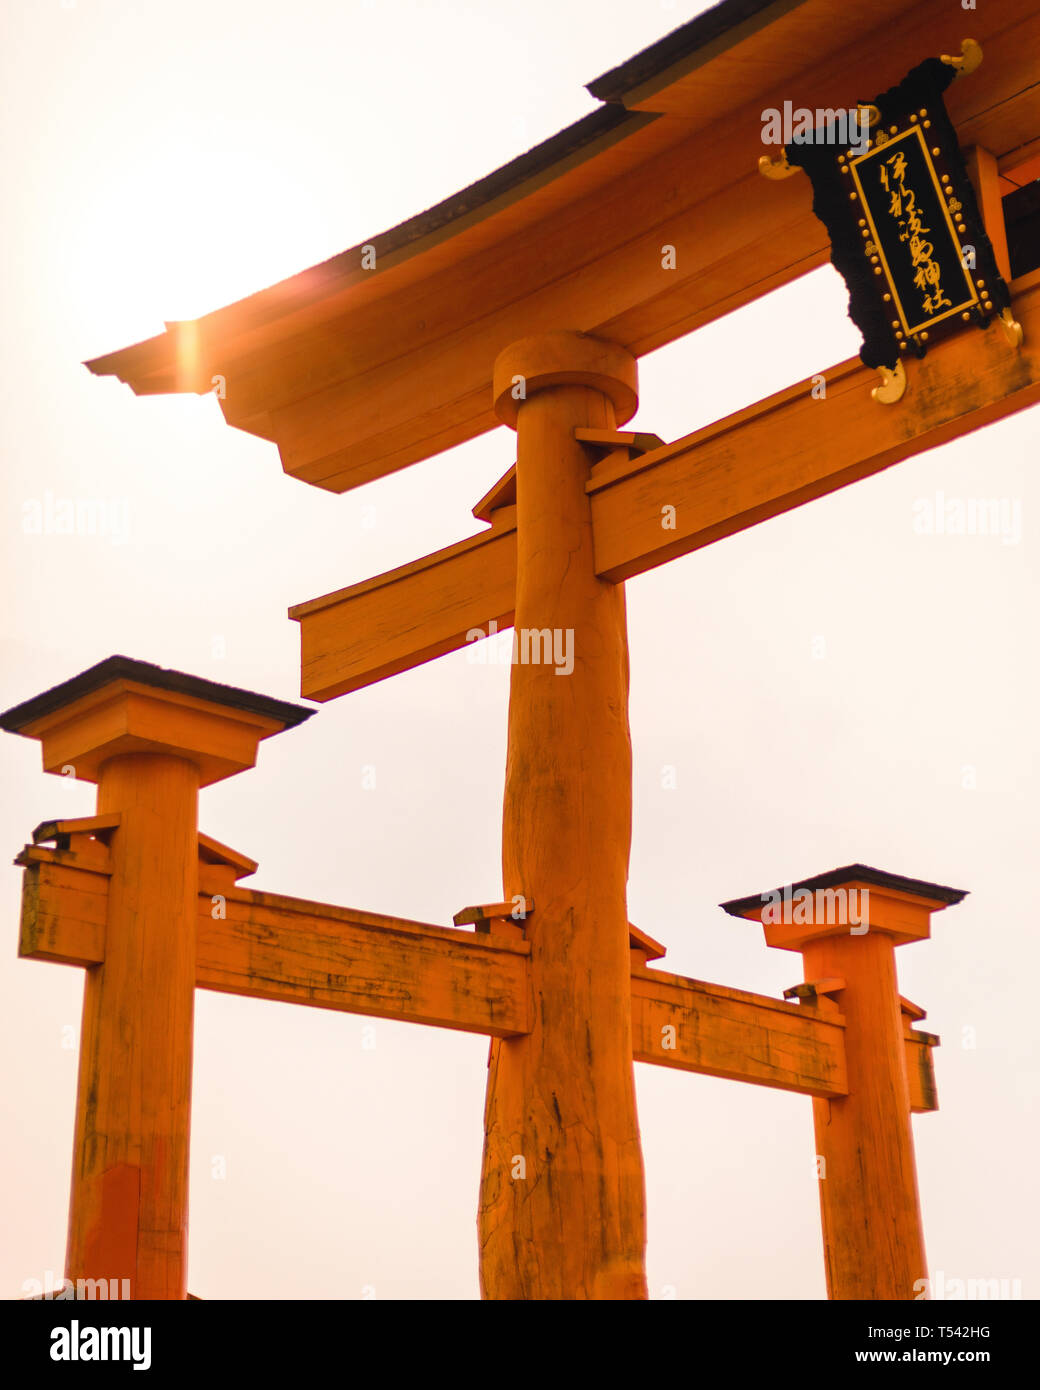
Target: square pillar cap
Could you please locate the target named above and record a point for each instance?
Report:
(899, 906)
(126, 706)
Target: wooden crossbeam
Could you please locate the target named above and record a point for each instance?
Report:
(677, 1022)
(64, 908)
(791, 448)
(294, 951)
(758, 463)
(920, 1068)
(299, 952)
(422, 610)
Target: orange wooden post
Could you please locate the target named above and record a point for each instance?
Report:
(149, 738)
(846, 924)
(561, 1212)
(990, 189)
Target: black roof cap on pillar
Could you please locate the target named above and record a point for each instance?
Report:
(854, 873)
(115, 668)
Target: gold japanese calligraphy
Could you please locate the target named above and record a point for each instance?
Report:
(909, 233)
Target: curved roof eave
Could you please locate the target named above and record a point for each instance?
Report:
(154, 365)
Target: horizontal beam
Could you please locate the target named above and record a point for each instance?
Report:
(294, 951)
(790, 448)
(386, 625)
(920, 1069)
(773, 456)
(741, 1036)
(729, 1033)
(299, 952)
(64, 909)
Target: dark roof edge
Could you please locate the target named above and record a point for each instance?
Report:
(679, 44)
(532, 162)
(313, 279)
(861, 873)
(115, 668)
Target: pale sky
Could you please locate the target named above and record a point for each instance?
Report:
(831, 686)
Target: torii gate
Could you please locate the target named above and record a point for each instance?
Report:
(555, 974)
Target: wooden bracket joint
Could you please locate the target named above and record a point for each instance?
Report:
(497, 919)
(911, 1011)
(220, 867)
(644, 948)
(812, 988)
(60, 833)
(818, 993)
(606, 441)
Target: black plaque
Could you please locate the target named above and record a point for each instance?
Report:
(912, 234)
(904, 223)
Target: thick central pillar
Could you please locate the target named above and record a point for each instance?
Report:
(562, 1201)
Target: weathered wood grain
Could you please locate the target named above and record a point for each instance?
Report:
(300, 952)
(694, 1026)
(561, 1098)
(63, 914)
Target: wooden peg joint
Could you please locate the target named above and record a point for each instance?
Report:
(813, 989)
(911, 1011)
(62, 832)
(502, 494)
(484, 914)
(635, 441)
(644, 947)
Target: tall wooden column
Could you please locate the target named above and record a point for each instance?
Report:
(149, 738)
(562, 1195)
(129, 1204)
(873, 1237)
(847, 924)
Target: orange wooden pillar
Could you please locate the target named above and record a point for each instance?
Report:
(149, 738)
(129, 1206)
(562, 1193)
(847, 924)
